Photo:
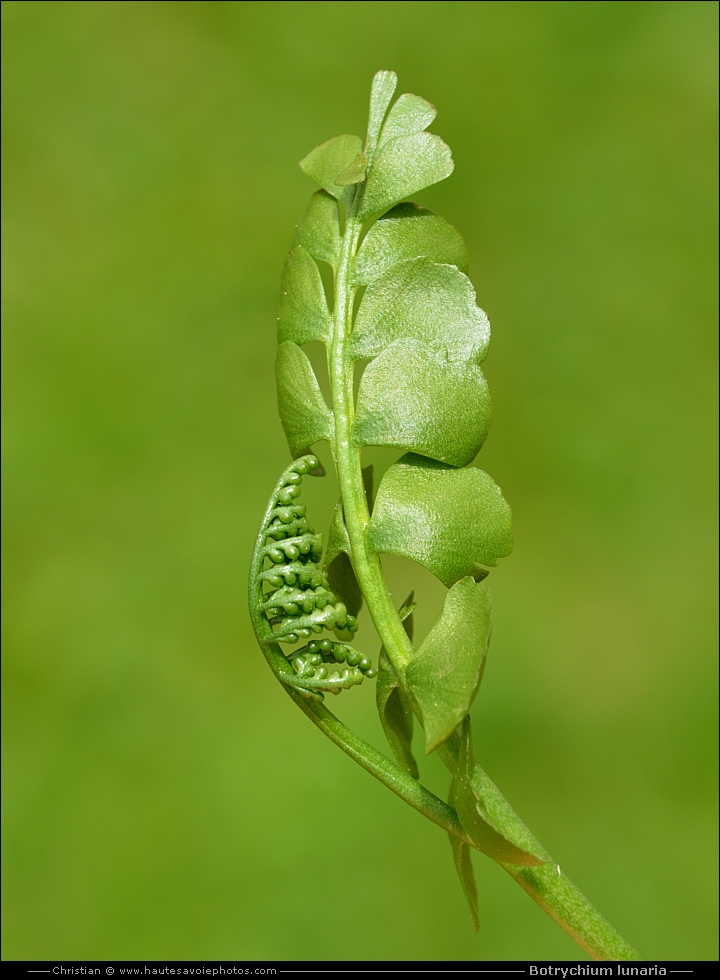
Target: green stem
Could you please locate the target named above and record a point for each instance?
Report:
(546, 884)
(348, 457)
(389, 774)
(565, 903)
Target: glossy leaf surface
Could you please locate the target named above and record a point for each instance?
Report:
(412, 397)
(451, 521)
(382, 90)
(402, 167)
(326, 162)
(407, 232)
(444, 675)
(425, 301)
(304, 414)
(304, 314)
(354, 172)
(319, 230)
(494, 830)
(410, 114)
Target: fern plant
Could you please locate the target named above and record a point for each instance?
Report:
(402, 304)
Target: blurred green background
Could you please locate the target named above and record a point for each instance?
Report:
(163, 797)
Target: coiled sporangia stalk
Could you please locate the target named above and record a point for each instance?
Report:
(299, 602)
(402, 303)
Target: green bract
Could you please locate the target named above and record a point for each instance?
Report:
(394, 307)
